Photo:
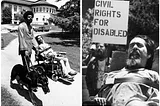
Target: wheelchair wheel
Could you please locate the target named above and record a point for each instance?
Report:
(54, 70)
(60, 71)
(54, 77)
(40, 70)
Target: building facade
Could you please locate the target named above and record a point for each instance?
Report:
(42, 10)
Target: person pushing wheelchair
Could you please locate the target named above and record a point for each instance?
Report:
(26, 39)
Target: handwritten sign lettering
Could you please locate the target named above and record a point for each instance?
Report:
(110, 22)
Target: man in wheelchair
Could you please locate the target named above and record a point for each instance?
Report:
(134, 85)
(46, 52)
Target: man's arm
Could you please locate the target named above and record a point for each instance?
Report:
(43, 50)
(35, 44)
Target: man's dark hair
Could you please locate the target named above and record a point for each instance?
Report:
(37, 37)
(149, 43)
(27, 13)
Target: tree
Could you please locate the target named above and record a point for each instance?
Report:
(70, 8)
(6, 15)
(87, 31)
(68, 17)
(144, 18)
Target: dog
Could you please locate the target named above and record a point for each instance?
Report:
(23, 77)
(32, 80)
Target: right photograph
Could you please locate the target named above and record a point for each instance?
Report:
(120, 53)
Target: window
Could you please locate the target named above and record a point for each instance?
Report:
(15, 8)
(40, 9)
(14, 16)
(50, 10)
(36, 19)
(20, 8)
(37, 9)
(47, 10)
(43, 19)
(34, 9)
(43, 9)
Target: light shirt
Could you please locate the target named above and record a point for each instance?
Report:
(26, 38)
(48, 52)
(122, 93)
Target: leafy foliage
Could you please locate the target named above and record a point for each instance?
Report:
(144, 18)
(71, 8)
(6, 15)
(19, 17)
(68, 17)
(87, 31)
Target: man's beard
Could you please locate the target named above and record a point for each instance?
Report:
(133, 63)
(134, 59)
(100, 54)
(29, 21)
(40, 42)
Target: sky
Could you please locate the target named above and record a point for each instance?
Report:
(58, 4)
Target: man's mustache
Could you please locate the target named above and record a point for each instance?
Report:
(99, 50)
(135, 53)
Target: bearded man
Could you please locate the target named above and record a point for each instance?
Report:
(96, 69)
(26, 38)
(134, 85)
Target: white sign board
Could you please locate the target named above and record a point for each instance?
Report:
(110, 22)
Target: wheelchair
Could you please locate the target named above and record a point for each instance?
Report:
(50, 65)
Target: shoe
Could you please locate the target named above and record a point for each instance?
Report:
(54, 78)
(35, 90)
(69, 78)
(72, 73)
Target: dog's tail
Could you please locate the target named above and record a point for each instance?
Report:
(15, 71)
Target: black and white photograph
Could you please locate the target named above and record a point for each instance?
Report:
(79, 53)
(40, 53)
(120, 53)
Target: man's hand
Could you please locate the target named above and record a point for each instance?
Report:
(101, 101)
(26, 53)
(37, 52)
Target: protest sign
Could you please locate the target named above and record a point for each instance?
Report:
(110, 22)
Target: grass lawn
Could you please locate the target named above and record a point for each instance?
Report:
(7, 38)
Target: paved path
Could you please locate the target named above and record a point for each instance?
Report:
(60, 94)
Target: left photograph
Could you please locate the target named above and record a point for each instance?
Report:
(40, 53)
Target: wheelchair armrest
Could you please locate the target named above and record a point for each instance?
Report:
(38, 57)
(61, 53)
